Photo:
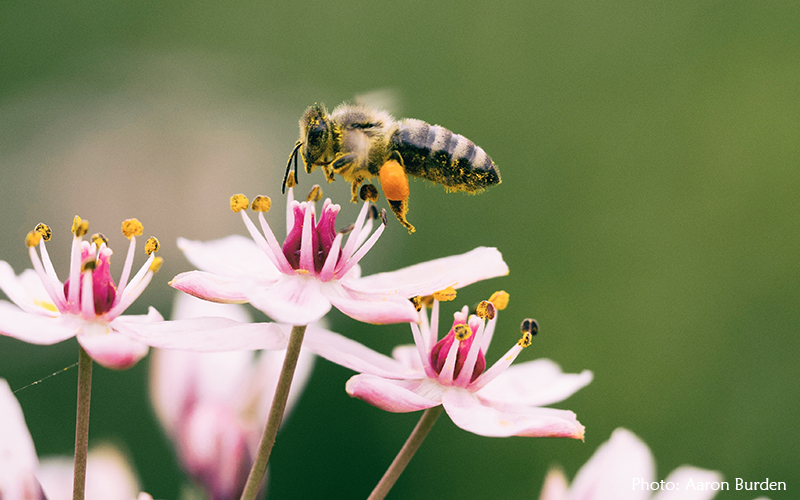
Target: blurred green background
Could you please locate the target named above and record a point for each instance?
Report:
(648, 210)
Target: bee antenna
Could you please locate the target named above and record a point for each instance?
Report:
(297, 147)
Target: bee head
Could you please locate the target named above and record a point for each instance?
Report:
(317, 131)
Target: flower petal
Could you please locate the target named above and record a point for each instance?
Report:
(429, 277)
(212, 287)
(371, 308)
(397, 396)
(186, 306)
(109, 476)
(211, 334)
(351, 354)
(408, 355)
(611, 470)
(26, 290)
(18, 462)
(555, 486)
(33, 328)
(534, 383)
(109, 347)
(233, 256)
(683, 475)
(467, 412)
(293, 299)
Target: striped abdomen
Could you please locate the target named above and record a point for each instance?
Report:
(437, 154)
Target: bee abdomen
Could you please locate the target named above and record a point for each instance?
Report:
(437, 154)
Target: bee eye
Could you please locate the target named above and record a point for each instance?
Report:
(317, 133)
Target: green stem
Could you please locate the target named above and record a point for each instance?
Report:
(82, 424)
(404, 457)
(259, 468)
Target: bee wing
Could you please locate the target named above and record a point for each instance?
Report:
(385, 99)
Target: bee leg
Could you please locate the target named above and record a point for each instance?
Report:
(395, 187)
(329, 174)
(344, 162)
(286, 180)
(354, 191)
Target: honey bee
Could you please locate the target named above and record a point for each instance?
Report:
(359, 142)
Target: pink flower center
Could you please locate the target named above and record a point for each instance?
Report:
(322, 236)
(104, 289)
(442, 348)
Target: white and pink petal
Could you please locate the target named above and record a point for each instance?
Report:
(370, 308)
(213, 287)
(233, 256)
(682, 476)
(294, 299)
(33, 328)
(467, 412)
(428, 277)
(610, 471)
(18, 462)
(534, 383)
(397, 396)
(356, 356)
(109, 347)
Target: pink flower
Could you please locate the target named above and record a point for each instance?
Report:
(89, 304)
(109, 476)
(298, 282)
(623, 469)
(214, 406)
(498, 401)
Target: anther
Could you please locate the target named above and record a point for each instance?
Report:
(499, 299)
(368, 193)
(98, 239)
(79, 226)
(261, 204)
(89, 265)
(315, 194)
(486, 310)
(131, 228)
(445, 295)
(152, 245)
(528, 328)
(346, 229)
(290, 180)
(417, 301)
(32, 239)
(462, 332)
(44, 230)
(239, 202)
(383, 216)
(373, 212)
(156, 264)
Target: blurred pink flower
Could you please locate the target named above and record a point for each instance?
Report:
(22, 477)
(214, 406)
(619, 469)
(89, 305)
(298, 282)
(498, 402)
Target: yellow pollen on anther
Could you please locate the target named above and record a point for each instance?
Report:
(291, 181)
(499, 299)
(529, 327)
(131, 228)
(315, 194)
(32, 239)
(79, 226)
(239, 202)
(98, 239)
(445, 295)
(44, 230)
(261, 204)
(152, 245)
(486, 310)
(156, 264)
(462, 332)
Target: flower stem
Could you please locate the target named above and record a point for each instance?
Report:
(275, 414)
(406, 452)
(82, 423)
